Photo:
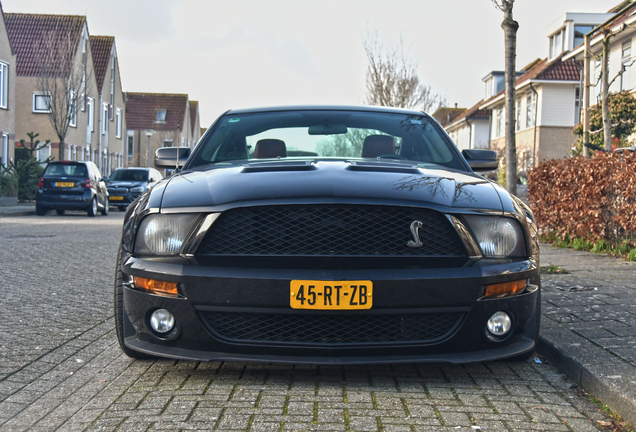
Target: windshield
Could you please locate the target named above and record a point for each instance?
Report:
(293, 135)
(66, 169)
(129, 175)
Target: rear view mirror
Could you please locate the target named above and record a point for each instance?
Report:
(171, 157)
(327, 129)
(481, 160)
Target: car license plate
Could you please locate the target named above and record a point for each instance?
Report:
(116, 198)
(64, 184)
(327, 295)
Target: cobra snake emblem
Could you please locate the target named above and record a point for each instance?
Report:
(415, 230)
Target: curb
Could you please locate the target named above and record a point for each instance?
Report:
(22, 213)
(609, 379)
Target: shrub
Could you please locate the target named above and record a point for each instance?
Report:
(591, 199)
(8, 186)
(581, 244)
(602, 246)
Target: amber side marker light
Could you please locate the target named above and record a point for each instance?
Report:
(506, 289)
(153, 286)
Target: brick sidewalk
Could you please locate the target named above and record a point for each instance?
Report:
(588, 328)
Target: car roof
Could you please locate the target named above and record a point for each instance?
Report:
(366, 108)
(136, 168)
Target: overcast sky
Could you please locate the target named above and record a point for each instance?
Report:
(238, 54)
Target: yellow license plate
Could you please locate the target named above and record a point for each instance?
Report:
(64, 184)
(328, 295)
(116, 198)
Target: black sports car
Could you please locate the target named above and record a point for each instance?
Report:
(328, 235)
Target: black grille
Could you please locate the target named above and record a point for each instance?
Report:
(329, 231)
(332, 329)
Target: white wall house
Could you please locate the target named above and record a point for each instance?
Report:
(621, 54)
(548, 97)
(470, 129)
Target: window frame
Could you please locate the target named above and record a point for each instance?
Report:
(73, 108)
(4, 84)
(118, 123)
(42, 94)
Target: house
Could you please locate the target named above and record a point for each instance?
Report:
(446, 115)
(7, 95)
(622, 25)
(195, 124)
(469, 130)
(157, 120)
(43, 41)
(111, 112)
(548, 98)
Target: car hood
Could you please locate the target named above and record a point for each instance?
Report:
(125, 183)
(329, 182)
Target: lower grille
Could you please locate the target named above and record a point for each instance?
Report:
(332, 329)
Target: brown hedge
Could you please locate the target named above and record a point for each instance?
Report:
(589, 198)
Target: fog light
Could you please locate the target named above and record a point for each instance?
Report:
(499, 324)
(161, 321)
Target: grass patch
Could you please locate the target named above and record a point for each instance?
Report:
(553, 270)
(580, 244)
(602, 246)
(618, 424)
(631, 256)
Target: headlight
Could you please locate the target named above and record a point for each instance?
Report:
(498, 236)
(164, 234)
(138, 189)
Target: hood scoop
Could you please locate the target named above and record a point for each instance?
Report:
(383, 166)
(279, 166)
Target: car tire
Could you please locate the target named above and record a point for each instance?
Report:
(60, 211)
(92, 209)
(39, 210)
(120, 313)
(106, 208)
(121, 208)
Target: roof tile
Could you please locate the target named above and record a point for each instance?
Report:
(141, 110)
(28, 33)
(101, 46)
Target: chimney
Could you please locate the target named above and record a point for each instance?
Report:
(455, 105)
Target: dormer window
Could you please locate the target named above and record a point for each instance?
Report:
(557, 44)
(579, 33)
(161, 115)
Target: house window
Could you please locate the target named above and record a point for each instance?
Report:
(626, 62)
(104, 119)
(74, 155)
(577, 105)
(531, 108)
(161, 115)
(4, 155)
(579, 33)
(557, 44)
(41, 102)
(518, 125)
(83, 101)
(4, 83)
(131, 145)
(118, 123)
(500, 122)
(72, 106)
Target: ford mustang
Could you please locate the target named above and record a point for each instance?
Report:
(327, 235)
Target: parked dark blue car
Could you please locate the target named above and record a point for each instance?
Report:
(126, 184)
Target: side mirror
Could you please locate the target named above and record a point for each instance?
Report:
(171, 157)
(106, 179)
(481, 160)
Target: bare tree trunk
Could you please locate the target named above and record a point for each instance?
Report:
(60, 150)
(607, 126)
(586, 96)
(510, 27)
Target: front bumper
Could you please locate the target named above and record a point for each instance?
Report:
(264, 291)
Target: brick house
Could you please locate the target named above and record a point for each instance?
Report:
(157, 120)
(7, 95)
(111, 112)
(195, 124)
(28, 33)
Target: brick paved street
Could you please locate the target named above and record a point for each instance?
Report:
(61, 368)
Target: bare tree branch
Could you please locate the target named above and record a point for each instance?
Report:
(392, 78)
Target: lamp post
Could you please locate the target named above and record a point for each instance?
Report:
(149, 133)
